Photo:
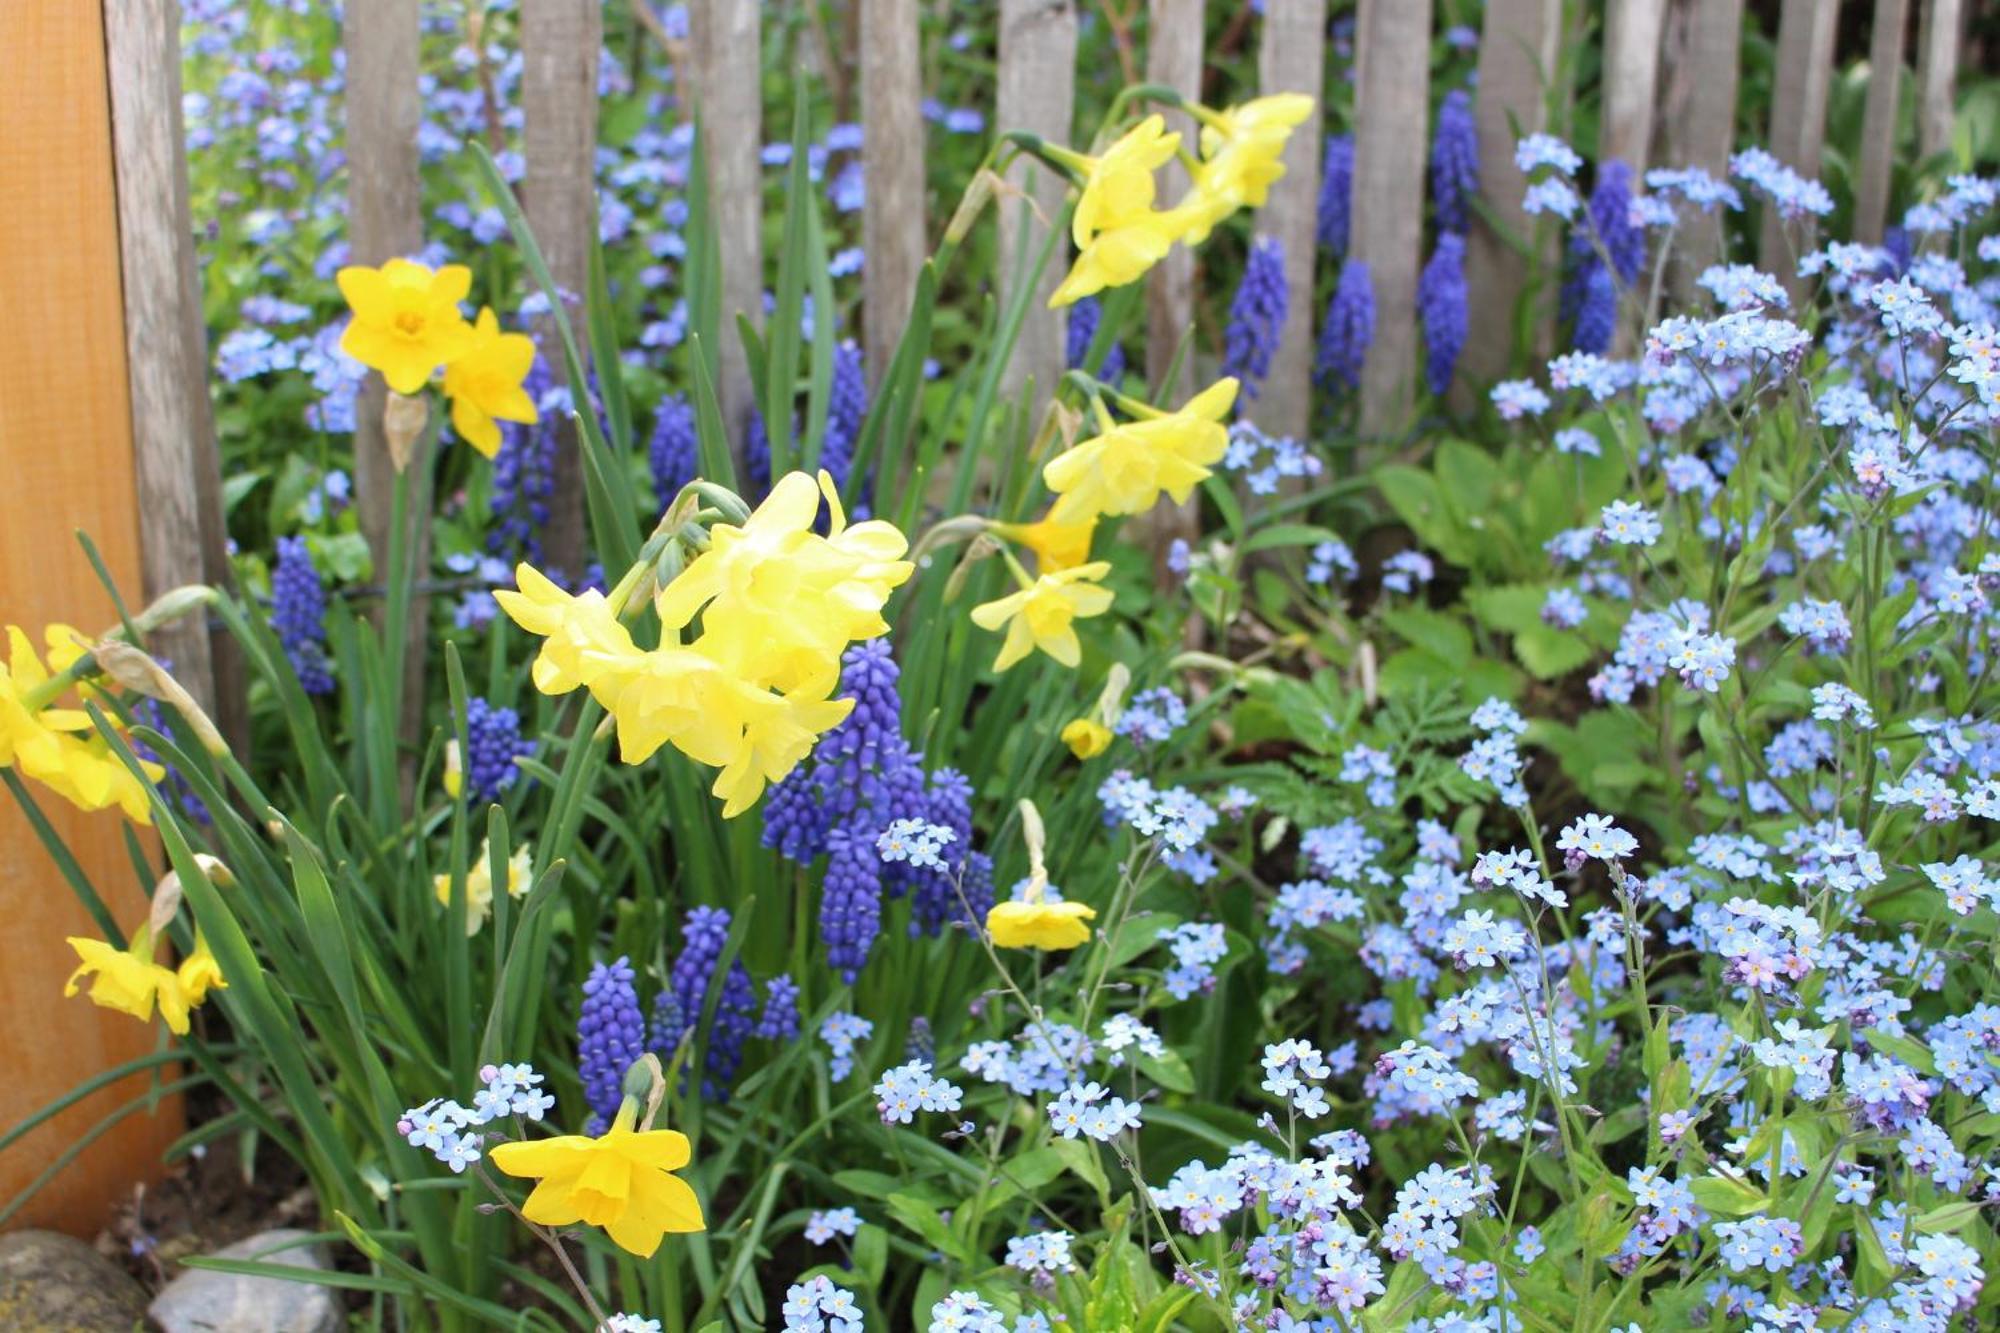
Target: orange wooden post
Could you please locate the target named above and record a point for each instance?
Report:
(66, 452)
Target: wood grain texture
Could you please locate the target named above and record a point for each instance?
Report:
(1173, 60)
(1878, 120)
(66, 450)
(175, 456)
(1704, 47)
(560, 41)
(727, 68)
(1517, 53)
(892, 153)
(1391, 121)
(1631, 69)
(1037, 92)
(1291, 58)
(1938, 42)
(1798, 123)
(384, 221)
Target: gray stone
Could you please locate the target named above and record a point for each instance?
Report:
(52, 1283)
(202, 1301)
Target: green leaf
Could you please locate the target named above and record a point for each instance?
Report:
(1728, 1196)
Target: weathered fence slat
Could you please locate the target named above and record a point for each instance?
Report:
(1391, 118)
(385, 220)
(560, 41)
(1798, 118)
(175, 458)
(727, 66)
(1631, 70)
(1700, 128)
(1943, 26)
(1517, 56)
(1173, 60)
(1878, 122)
(1037, 93)
(1291, 58)
(892, 154)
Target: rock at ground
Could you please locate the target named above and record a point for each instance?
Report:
(202, 1301)
(52, 1283)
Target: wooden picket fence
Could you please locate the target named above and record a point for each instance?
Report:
(1668, 95)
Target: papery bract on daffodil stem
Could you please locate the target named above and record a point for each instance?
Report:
(406, 321)
(484, 384)
(1124, 468)
(1040, 615)
(620, 1181)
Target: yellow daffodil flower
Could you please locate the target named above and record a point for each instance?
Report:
(1056, 545)
(479, 883)
(581, 639)
(776, 740)
(1118, 232)
(1124, 469)
(1242, 152)
(406, 319)
(129, 981)
(619, 1181)
(1039, 924)
(59, 747)
(199, 973)
(484, 384)
(1086, 738)
(779, 602)
(1040, 615)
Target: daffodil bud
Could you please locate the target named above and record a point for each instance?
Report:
(403, 420)
(454, 769)
(978, 549)
(172, 604)
(136, 671)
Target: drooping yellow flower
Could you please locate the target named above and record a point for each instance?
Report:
(484, 384)
(776, 740)
(406, 319)
(199, 973)
(779, 602)
(1124, 469)
(1039, 923)
(1086, 737)
(1242, 152)
(1118, 232)
(59, 747)
(479, 883)
(1056, 545)
(1041, 615)
(129, 981)
(581, 639)
(619, 1181)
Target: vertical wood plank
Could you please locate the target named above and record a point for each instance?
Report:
(1392, 106)
(1631, 68)
(1798, 119)
(66, 451)
(1700, 107)
(728, 86)
(1517, 55)
(385, 220)
(1942, 28)
(1173, 60)
(1878, 122)
(175, 457)
(1038, 94)
(560, 41)
(1291, 58)
(892, 154)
